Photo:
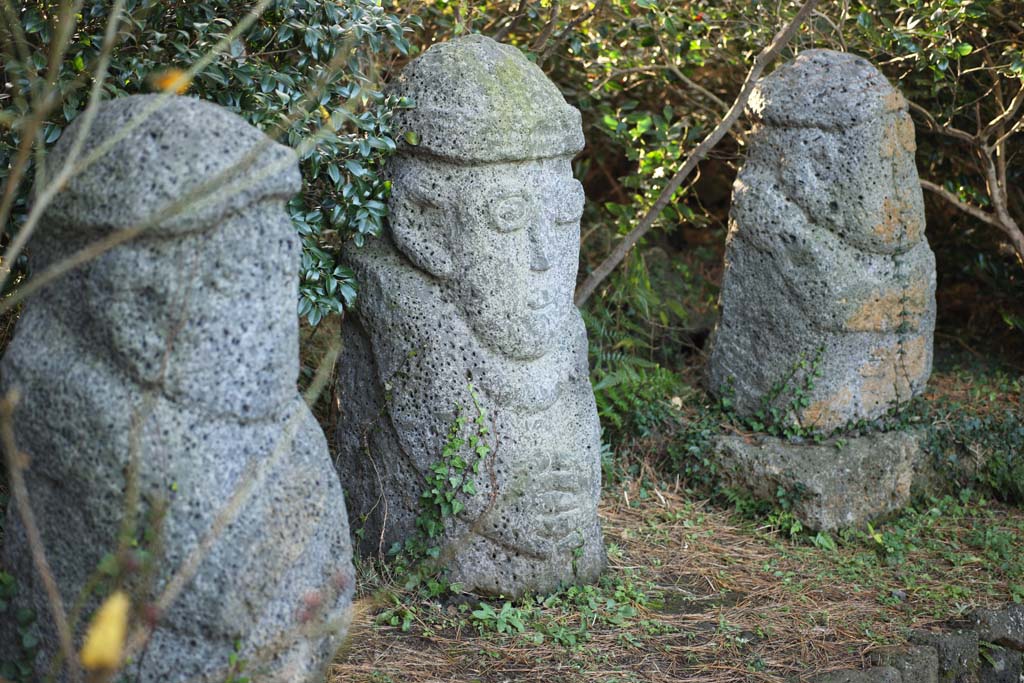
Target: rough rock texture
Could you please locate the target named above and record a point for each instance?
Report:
(471, 286)
(877, 674)
(999, 665)
(829, 487)
(1004, 627)
(176, 355)
(957, 655)
(826, 257)
(957, 651)
(916, 663)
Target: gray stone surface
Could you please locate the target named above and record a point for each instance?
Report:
(829, 487)
(826, 256)
(178, 351)
(1003, 626)
(999, 665)
(472, 285)
(916, 663)
(877, 674)
(957, 651)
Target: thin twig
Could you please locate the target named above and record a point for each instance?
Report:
(216, 189)
(990, 218)
(960, 204)
(766, 56)
(256, 474)
(88, 116)
(51, 189)
(937, 127)
(567, 30)
(549, 28)
(520, 12)
(16, 464)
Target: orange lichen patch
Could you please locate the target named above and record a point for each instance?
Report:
(905, 132)
(889, 143)
(900, 226)
(890, 230)
(898, 137)
(830, 412)
(913, 225)
(883, 382)
(894, 370)
(887, 310)
(894, 101)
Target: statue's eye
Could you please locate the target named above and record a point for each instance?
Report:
(509, 213)
(570, 203)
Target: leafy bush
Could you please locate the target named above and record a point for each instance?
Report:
(652, 78)
(985, 450)
(306, 72)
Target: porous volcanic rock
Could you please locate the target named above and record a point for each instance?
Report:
(465, 346)
(828, 486)
(158, 404)
(828, 297)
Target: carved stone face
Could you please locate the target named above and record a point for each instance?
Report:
(503, 239)
(857, 183)
(169, 310)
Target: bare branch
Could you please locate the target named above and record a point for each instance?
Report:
(568, 29)
(615, 73)
(763, 59)
(997, 192)
(1008, 115)
(936, 127)
(1010, 229)
(549, 28)
(980, 214)
(678, 73)
(838, 31)
(520, 12)
(16, 464)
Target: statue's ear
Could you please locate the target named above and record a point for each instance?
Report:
(420, 227)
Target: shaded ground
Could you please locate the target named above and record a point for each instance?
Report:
(696, 593)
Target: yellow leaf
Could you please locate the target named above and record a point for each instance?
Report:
(324, 114)
(104, 641)
(172, 80)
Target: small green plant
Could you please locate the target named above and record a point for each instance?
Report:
(448, 481)
(782, 406)
(20, 670)
(508, 619)
(236, 666)
(398, 614)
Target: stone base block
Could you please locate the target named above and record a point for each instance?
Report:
(831, 485)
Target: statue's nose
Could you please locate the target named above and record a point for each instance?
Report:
(539, 231)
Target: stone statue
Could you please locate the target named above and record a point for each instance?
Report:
(827, 270)
(466, 320)
(159, 410)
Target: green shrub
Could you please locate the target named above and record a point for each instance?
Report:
(306, 72)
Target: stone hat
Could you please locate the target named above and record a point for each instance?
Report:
(180, 146)
(824, 89)
(479, 101)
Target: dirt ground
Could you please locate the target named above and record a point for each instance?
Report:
(714, 597)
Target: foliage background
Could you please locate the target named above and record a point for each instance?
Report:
(651, 78)
(305, 71)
